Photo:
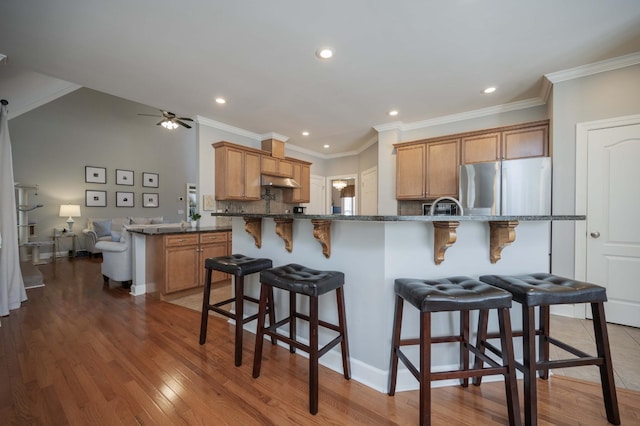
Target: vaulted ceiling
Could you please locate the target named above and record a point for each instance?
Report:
(426, 59)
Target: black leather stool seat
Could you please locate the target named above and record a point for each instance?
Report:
(461, 294)
(298, 279)
(547, 289)
(539, 291)
(451, 294)
(239, 266)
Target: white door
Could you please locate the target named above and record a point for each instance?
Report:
(316, 203)
(369, 192)
(613, 219)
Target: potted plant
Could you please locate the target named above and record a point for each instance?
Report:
(194, 219)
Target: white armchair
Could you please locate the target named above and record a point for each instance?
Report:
(116, 259)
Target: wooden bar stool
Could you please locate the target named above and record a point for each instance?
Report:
(461, 294)
(543, 290)
(238, 265)
(298, 279)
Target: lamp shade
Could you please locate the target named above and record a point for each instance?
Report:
(69, 210)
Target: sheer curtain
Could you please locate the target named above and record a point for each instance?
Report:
(12, 292)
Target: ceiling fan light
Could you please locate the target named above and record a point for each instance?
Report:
(167, 124)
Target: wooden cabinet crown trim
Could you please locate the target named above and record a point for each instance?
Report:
(255, 151)
(474, 133)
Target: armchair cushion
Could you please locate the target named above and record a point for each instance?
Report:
(102, 228)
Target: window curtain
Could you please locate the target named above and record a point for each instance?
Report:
(12, 292)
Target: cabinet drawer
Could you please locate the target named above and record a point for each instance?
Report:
(181, 240)
(213, 237)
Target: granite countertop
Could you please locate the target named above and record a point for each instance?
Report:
(178, 230)
(481, 218)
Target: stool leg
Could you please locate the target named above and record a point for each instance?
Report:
(395, 345)
(313, 354)
(481, 338)
(529, 361)
(262, 310)
(606, 368)
(425, 368)
(272, 313)
(293, 321)
(543, 342)
(510, 382)
(342, 324)
(464, 341)
(205, 307)
(239, 315)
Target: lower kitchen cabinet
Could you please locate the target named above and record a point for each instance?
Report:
(179, 259)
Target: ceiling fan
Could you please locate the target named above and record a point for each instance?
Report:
(170, 121)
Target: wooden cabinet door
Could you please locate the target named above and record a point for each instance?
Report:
(302, 175)
(251, 178)
(213, 244)
(410, 172)
(229, 173)
(269, 165)
(481, 148)
(443, 166)
(181, 269)
(525, 143)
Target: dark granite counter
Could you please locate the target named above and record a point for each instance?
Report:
(168, 230)
(481, 218)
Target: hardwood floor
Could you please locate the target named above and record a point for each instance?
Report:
(78, 353)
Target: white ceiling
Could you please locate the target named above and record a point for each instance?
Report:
(427, 59)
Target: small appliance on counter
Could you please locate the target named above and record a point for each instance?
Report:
(299, 210)
(444, 208)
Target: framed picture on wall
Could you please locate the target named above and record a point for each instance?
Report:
(150, 180)
(95, 174)
(149, 199)
(95, 198)
(124, 199)
(124, 177)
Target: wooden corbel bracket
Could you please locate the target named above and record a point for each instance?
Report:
(284, 229)
(502, 234)
(322, 233)
(253, 226)
(444, 237)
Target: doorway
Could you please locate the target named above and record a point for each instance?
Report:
(341, 195)
(608, 188)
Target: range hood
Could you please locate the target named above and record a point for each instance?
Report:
(278, 181)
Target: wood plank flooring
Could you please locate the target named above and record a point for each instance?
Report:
(78, 353)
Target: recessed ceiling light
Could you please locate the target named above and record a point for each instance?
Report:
(305, 133)
(393, 112)
(489, 90)
(326, 146)
(325, 53)
(221, 101)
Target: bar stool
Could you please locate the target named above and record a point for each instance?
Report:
(298, 279)
(461, 294)
(238, 265)
(543, 290)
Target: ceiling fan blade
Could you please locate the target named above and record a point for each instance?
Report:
(159, 122)
(184, 118)
(150, 115)
(181, 123)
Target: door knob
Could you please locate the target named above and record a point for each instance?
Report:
(595, 234)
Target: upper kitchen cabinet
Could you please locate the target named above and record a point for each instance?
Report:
(427, 170)
(237, 172)
(302, 175)
(506, 143)
(275, 166)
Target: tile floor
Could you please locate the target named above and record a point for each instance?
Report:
(624, 342)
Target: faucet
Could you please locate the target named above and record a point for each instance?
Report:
(433, 206)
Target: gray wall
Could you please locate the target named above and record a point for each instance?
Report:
(606, 95)
(53, 143)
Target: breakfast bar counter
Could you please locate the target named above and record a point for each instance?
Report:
(372, 251)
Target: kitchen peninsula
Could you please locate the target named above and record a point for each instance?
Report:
(373, 251)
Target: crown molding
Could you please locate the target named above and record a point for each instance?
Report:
(595, 68)
(273, 135)
(228, 128)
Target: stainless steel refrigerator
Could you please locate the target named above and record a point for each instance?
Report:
(509, 187)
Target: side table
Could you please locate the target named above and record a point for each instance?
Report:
(61, 235)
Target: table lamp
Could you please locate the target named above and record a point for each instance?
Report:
(71, 210)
